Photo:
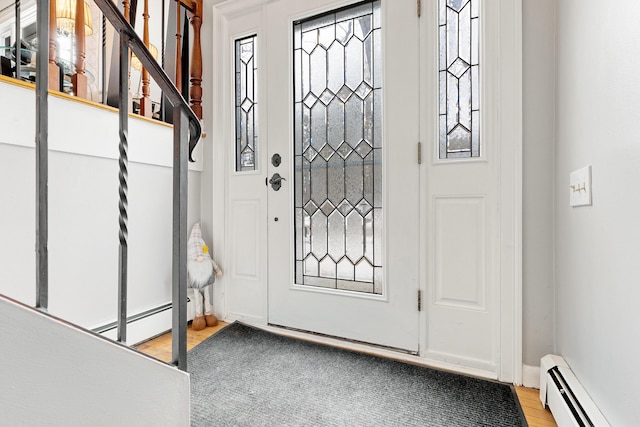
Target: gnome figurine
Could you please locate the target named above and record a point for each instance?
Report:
(202, 272)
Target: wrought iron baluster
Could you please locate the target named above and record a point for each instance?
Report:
(42, 151)
(123, 176)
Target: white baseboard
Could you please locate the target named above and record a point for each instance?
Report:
(531, 376)
(141, 327)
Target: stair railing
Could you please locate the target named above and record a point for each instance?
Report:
(186, 133)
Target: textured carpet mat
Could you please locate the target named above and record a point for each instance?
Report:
(244, 376)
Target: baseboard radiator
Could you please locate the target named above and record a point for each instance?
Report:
(568, 401)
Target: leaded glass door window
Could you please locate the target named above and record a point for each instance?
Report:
(459, 71)
(338, 150)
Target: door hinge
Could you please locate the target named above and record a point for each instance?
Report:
(419, 153)
(419, 300)
(419, 7)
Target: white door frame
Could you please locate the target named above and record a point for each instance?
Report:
(509, 128)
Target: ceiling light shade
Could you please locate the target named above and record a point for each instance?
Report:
(135, 62)
(66, 17)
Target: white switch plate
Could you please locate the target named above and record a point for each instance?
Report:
(580, 187)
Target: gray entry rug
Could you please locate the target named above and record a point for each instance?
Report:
(244, 376)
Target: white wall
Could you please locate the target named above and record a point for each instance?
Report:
(83, 208)
(598, 247)
(538, 124)
(59, 375)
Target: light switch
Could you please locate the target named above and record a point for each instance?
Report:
(580, 187)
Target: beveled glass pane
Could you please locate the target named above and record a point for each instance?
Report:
(319, 66)
(465, 33)
(367, 47)
(475, 85)
(452, 36)
(319, 180)
(369, 179)
(336, 224)
(475, 134)
(377, 118)
(377, 177)
(443, 92)
(369, 117)
(442, 48)
(465, 99)
(306, 181)
(298, 178)
(353, 65)
(377, 280)
(362, 27)
(443, 136)
(474, 8)
(297, 36)
(338, 172)
(344, 31)
(354, 121)
(311, 266)
(475, 45)
(353, 178)
(297, 64)
(299, 234)
(364, 271)
(345, 269)
(336, 179)
(335, 76)
(368, 237)
(309, 40)
(355, 236)
(377, 63)
(459, 140)
(319, 234)
(327, 268)
(326, 36)
(453, 109)
(318, 126)
(377, 237)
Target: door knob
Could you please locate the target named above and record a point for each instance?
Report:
(276, 181)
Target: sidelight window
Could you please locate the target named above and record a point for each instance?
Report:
(459, 72)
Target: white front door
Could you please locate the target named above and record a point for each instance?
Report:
(342, 102)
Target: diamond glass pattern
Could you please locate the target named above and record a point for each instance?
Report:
(338, 149)
(459, 78)
(246, 104)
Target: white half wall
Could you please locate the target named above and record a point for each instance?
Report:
(598, 247)
(55, 374)
(83, 208)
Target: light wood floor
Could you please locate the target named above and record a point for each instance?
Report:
(160, 348)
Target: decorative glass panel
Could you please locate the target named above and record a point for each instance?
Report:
(459, 77)
(338, 150)
(246, 104)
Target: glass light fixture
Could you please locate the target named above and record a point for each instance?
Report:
(135, 62)
(66, 17)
